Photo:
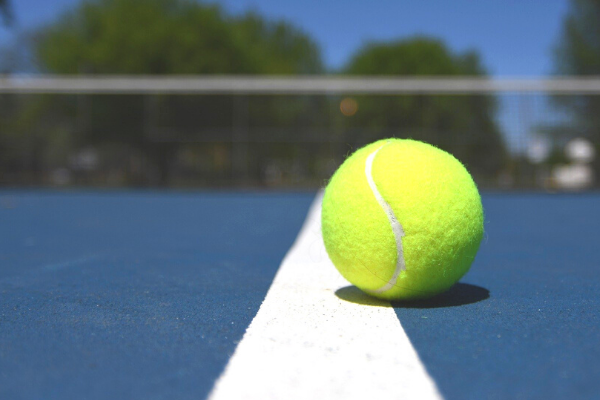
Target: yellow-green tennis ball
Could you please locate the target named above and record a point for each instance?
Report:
(402, 219)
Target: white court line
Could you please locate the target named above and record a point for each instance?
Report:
(307, 343)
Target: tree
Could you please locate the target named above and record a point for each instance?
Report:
(140, 37)
(578, 53)
(461, 124)
(171, 37)
(6, 12)
(277, 47)
(578, 50)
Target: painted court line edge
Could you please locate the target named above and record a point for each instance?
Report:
(306, 342)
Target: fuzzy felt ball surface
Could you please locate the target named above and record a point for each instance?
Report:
(402, 219)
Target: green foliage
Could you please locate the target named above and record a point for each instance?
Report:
(171, 37)
(287, 49)
(463, 125)
(416, 57)
(578, 53)
(178, 37)
(6, 12)
(30, 137)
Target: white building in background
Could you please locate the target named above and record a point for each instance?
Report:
(578, 175)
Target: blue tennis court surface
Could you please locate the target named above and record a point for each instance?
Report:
(133, 295)
(127, 295)
(537, 336)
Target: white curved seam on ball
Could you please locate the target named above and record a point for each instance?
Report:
(396, 226)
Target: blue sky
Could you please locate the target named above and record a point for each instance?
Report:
(514, 37)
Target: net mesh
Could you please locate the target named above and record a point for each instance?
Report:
(251, 132)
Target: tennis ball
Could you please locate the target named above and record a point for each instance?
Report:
(402, 219)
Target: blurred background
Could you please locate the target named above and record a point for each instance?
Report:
(523, 111)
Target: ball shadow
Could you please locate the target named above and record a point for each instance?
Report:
(458, 295)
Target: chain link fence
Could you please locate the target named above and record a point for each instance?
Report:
(289, 132)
